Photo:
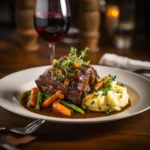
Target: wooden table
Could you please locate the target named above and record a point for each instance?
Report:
(131, 133)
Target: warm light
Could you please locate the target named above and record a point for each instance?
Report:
(115, 13)
(112, 17)
(112, 11)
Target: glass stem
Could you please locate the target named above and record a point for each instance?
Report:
(52, 52)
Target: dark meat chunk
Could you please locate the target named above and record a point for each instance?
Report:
(47, 83)
(80, 84)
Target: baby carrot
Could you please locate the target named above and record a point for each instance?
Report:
(61, 109)
(52, 98)
(100, 83)
(49, 101)
(33, 97)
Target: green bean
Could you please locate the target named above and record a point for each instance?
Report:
(39, 101)
(74, 107)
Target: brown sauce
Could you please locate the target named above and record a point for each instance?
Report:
(49, 111)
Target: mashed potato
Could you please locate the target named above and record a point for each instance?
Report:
(115, 99)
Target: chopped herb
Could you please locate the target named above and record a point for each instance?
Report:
(121, 96)
(120, 84)
(84, 69)
(86, 63)
(109, 82)
(105, 91)
(96, 94)
(77, 70)
(29, 94)
(86, 107)
(58, 64)
(92, 102)
(109, 111)
(46, 95)
(113, 78)
(66, 72)
(64, 63)
(60, 76)
(70, 74)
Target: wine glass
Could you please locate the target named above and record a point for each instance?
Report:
(52, 21)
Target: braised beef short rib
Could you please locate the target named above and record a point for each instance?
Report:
(80, 84)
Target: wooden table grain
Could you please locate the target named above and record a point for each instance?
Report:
(127, 134)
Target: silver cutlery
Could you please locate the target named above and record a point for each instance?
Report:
(29, 129)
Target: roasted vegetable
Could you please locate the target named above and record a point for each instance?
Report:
(33, 96)
(72, 106)
(39, 101)
(52, 98)
(61, 109)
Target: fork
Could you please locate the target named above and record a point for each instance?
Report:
(29, 129)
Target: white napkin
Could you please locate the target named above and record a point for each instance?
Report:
(124, 63)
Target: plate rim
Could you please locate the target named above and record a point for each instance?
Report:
(71, 120)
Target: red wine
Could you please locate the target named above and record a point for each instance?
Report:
(51, 26)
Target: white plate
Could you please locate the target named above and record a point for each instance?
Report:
(14, 84)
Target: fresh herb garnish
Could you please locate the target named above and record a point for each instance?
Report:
(46, 95)
(111, 79)
(104, 90)
(96, 94)
(29, 94)
(110, 110)
(121, 95)
(77, 70)
(60, 76)
(92, 102)
(58, 64)
(86, 107)
(120, 84)
(72, 61)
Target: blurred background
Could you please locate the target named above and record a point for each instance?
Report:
(123, 24)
